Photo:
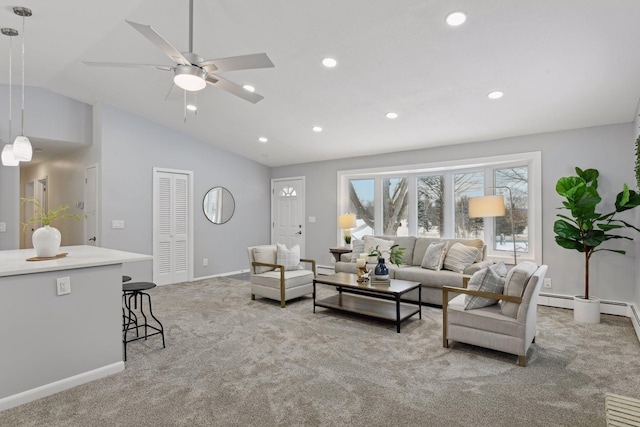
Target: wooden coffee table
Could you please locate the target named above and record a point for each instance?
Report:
(378, 301)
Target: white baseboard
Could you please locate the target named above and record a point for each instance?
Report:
(616, 308)
(229, 273)
(58, 386)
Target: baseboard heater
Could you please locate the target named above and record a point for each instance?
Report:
(622, 410)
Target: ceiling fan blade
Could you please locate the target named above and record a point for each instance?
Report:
(160, 43)
(243, 62)
(126, 65)
(233, 88)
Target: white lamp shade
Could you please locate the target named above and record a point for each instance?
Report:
(7, 156)
(347, 221)
(189, 78)
(22, 150)
(480, 207)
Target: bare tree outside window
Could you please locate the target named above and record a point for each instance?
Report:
(361, 202)
(430, 206)
(465, 185)
(517, 180)
(395, 199)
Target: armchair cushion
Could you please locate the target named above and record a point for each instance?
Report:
(460, 257)
(289, 258)
(266, 254)
(515, 284)
(485, 319)
(291, 278)
(434, 256)
(485, 280)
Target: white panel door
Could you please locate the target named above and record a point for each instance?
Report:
(287, 205)
(172, 216)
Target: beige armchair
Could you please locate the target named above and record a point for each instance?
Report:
(273, 281)
(490, 327)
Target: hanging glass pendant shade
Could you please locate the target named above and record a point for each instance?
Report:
(7, 156)
(22, 150)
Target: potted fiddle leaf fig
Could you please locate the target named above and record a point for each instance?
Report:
(585, 230)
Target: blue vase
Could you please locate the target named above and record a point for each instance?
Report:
(381, 271)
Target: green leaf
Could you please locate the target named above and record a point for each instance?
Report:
(563, 229)
(594, 238)
(569, 244)
(627, 201)
(589, 175)
(568, 184)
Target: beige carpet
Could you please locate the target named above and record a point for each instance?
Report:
(230, 361)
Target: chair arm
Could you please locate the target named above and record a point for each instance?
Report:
(264, 264)
(313, 265)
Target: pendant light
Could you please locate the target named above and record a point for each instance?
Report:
(22, 149)
(7, 150)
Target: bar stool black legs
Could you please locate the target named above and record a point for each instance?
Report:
(135, 291)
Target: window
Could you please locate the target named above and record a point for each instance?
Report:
(433, 201)
(362, 204)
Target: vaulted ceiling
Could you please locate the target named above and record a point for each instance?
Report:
(562, 64)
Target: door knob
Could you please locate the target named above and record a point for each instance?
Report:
(93, 239)
(299, 232)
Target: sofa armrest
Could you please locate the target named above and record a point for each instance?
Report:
(477, 266)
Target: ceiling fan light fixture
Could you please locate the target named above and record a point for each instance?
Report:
(190, 78)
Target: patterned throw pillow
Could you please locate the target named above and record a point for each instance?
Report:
(460, 257)
(384, 246)
(357, 247)
(485, 280)
(515, 284)
(434, 256)
(499, 268)
(290, 258)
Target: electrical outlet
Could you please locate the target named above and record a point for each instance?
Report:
(63, 285)
(205, 262)
(547, 283)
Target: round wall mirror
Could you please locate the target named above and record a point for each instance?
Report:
(218, 205)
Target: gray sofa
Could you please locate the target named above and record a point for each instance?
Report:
(431, 281)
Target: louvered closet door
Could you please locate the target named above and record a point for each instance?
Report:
(171, 252)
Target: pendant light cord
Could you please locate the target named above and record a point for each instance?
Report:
(10, 85)
(23, 18)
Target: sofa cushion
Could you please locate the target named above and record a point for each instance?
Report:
(460, 257)
(383, 245)
(357, 248)
(266, 254)
(420, 248)
(289, 258)
(434, 256)
(515, 284)
(429, 278)
(486, 280)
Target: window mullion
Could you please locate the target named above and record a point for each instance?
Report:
(449, 206)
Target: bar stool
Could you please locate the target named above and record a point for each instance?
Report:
(135, 291)
(125, 314)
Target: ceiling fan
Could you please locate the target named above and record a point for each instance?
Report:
(191, 72)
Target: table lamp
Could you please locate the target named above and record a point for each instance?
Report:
(347, 222)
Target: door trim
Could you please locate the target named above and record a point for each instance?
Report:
(97, 201)
(190, 246)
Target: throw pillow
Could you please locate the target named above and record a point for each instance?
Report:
(357, 248)
(485, 280)
(289, 258)
(434, 256)
(266, 254)
(515, 284)
(460, 257)
(500, 269)
(384, 246)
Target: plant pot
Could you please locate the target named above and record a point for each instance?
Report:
(46, 241)
(586, 311)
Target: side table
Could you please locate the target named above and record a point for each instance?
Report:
(336, 252)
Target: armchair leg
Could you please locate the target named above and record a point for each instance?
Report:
(253, 297)
(282, 304)
(445, 343)
(521, 361)
(534, 340)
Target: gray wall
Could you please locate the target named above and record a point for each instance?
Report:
(48, 116)
(131, 147)
(610, 149)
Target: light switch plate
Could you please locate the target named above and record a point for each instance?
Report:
(3, 227)
(117, 223)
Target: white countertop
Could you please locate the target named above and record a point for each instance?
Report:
(15, 262)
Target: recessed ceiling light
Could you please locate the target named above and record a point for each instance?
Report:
(456, 18)
(263, 139)
(391, 115)
(496, 94)
(329, 62)
(249, 88)
(191, 107)
(316, 129)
